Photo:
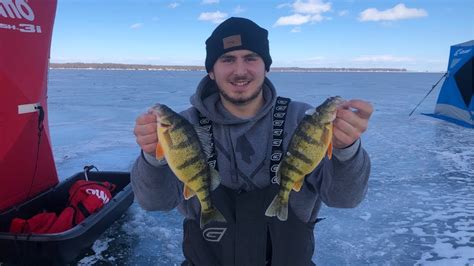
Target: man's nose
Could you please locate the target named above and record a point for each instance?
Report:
(240, 67)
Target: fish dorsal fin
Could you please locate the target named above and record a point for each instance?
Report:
(188, 193)
(215, 178)
(205, 138)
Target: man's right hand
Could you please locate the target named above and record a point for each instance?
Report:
(145, 132)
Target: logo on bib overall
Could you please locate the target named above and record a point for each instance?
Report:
(214, 234)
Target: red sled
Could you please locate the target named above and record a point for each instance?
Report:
(65, 247)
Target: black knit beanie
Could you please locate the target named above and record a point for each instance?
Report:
(236, 34)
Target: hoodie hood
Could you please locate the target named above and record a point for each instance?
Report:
(207, 101)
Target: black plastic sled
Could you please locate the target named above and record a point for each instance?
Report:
(64, 247)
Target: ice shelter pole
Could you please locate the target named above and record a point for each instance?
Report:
(432, 88)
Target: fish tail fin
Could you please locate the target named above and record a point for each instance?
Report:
(211, 215)
(278, 208)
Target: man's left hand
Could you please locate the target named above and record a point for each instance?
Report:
(351, 121)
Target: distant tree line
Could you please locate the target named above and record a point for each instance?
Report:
(111, 66)
(122, 66)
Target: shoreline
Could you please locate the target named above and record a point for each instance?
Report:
(113, 66)
(271, 70)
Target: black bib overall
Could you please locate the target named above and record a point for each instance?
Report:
(249, 237)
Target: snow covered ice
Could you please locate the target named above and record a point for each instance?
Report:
(419, 208)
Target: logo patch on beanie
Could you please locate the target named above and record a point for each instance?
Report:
(232, 41)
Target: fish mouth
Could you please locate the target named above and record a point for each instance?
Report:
(336, 100)
(331, 104)
(161, 118)
(328, 109)
(158, 109)
(334, 103)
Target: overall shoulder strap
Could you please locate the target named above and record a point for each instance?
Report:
(205, 123)
(279, 117)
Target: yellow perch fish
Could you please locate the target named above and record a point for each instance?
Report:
(180, 145)
(309, 144)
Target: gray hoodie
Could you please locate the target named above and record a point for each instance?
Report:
(243, 149)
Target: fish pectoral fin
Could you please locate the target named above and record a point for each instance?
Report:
(215, 179)
(188, 193)
(297, 186)
(159, 152)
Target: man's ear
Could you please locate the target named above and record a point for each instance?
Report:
(211, 75)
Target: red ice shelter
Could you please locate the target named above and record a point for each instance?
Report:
(26, 160)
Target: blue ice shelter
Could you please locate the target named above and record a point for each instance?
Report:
(455, 102)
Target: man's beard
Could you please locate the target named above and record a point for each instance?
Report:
(240, 101)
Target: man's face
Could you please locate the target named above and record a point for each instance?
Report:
(239, 76)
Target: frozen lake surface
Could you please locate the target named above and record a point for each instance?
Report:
(419, 207)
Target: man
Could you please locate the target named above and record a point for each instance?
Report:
(240, 102)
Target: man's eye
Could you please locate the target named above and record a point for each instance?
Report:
(227, 60)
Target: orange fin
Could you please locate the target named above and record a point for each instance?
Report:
(188, 193)
(298, 185)
(330, 150)
(159, 152)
